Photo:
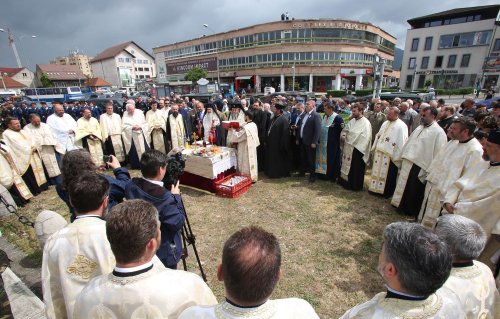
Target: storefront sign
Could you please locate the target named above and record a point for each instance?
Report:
(335, 25)
(438, 72)
(209, 64)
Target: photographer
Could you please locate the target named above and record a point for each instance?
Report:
(75, 162)
(150, 188)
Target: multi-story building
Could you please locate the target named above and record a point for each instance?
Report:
(449, 49)
(319, 54)
(74, 58)
(59, 75)
(124, 65)
(21, 75)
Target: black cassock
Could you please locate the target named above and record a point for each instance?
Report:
(277, 148)
(261, 119)
(356, 177)
(413, 195)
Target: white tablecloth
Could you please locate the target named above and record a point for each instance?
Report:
(210, 167)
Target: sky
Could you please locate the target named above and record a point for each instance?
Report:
(90, 26)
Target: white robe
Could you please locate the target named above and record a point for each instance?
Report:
(476, 195)
(248, 140)
(440, 305)
(9, 177)
(71, 258)
(451, 163)
(111, 126)
(420, 149)
(230, 134)
(60, 126)
(388, 145)
(157, 126)
(475, 288)
(47, 146)
(290, 308)
(25, 154)
(358, 135)
(177, 131)
(130, 135)
(157, 293)
(85, 128)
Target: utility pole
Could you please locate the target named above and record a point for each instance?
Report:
(378, 75)
(14, 49)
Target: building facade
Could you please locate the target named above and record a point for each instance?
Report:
(59, 75)
(453, 49)
(21, 75)
(124, 65)
(313, 55)
(80, 60)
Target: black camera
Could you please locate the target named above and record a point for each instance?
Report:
(107, 159)
(175, 168)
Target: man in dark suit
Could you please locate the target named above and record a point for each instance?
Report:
(308, 138)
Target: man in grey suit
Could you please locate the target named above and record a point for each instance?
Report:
(308, 139)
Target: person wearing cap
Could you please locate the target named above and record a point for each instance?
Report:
(212, 126)
(476, 195)
(277, 145)
(237, 115)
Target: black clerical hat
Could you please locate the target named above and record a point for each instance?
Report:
(279, 106)
(494, 137)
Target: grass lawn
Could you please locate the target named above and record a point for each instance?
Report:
(330, 238)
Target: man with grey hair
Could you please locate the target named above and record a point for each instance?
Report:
(414, 264)
(471, 280)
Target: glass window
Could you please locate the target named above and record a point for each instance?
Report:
(428, 43)
(496, 47)
(412, 63)
(439, 61)
(425, 62)
(414, 44)
(451, 60)
(458, 20)
(465, 60)
(436, 23)
(466, 39)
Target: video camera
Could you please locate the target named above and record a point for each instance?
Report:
(175, 168)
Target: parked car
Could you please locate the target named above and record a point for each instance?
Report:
(203, 97)
(488, 101)
(390, 96)
(289, 94)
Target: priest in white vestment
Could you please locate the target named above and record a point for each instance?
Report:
(249, 282)
(138, 287)
(237, 115)
(80, 251)
(476, 195)
(247, 140)
(157, 129)
(176, 131)
(48, 147)
(415, 294)
(357, 140)
(135, 135)
(63, 126)
(471, 280)
(460, 154)
(10, 178)
(111, 130)
(213, 132)
(25, 155)
(387, 146)
(422, 146)
(88, 135)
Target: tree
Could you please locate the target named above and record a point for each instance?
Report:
(46, 83)
(195, 74)
(428, 83)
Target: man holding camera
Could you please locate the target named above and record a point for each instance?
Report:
(168, 203)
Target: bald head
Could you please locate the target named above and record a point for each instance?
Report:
(393, 113)
(58, 109)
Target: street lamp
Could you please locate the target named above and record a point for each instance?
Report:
(13, 45)
(216, 54)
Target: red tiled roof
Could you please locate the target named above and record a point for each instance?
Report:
(96, 82)
(110, 53)
(61, 72)
(10, 71)
(11, 83)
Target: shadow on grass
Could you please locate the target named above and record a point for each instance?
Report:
(33, 260)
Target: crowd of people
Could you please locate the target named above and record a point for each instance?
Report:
(437, 162)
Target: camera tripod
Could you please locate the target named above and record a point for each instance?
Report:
(188, 238)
